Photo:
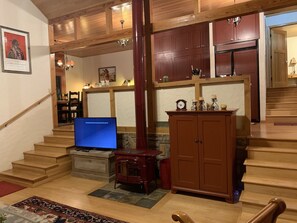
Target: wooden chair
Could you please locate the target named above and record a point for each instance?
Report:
(62, 107)
(73, 105)
(268, 214)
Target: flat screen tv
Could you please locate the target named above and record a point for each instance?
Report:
(95, 133)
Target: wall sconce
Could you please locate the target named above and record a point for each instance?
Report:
(235, 20)
(67, 63)
(293, 64)
(126, 83)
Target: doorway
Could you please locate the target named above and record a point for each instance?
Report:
(283, 54)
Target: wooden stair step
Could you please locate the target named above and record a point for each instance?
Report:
(262, 180)
(36, 164)
(58, 139)
(272, 149)
(278, 112)
(263, 199)
(23, 175)
(46, 156)
(273, 142)
(54, 145)
(64, 130)
(261, 163)
(51, 154)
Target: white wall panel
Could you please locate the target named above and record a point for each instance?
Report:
(166, 100)
(125, 108)
(98, 105)
(230, 94)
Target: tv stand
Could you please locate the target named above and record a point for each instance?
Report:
(93, 164)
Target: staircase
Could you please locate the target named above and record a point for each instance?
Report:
(281, 105)
(49, 160)
(271, 171)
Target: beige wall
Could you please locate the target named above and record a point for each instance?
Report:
(122, 60)
(19, 91)
(292, 51)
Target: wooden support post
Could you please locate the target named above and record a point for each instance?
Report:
(139, 76)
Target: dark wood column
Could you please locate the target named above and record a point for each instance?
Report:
(139, 76)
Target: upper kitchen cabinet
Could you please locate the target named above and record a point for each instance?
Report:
(176, 50)
(236, 29)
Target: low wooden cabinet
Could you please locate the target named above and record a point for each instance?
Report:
(202, 152)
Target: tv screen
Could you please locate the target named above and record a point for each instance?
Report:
(95, 133)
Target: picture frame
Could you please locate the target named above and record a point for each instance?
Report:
(15, 51)
(107, 74)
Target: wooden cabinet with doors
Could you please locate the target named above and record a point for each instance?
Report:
(202, 152)
(176, 50)
(226, 31)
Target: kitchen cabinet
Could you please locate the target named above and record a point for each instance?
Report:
(242, 61)
(225, 31)
(202, 152)
(176, 50)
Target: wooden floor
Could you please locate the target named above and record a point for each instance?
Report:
(73, 191)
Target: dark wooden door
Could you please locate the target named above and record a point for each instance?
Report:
(223, 63)
(184, 151)
(213, 153)
(246, 62)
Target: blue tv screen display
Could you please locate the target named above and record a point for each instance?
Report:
(95, 133)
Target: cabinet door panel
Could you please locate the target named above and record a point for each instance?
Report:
(248, 28)
(246, 62)
(182, 39)
(201, 60)
(212, 154)
(181, 66)
(184, 151)
(163, 42)
(200, 35)
(223, 32)
(163, 66)
(223, 63)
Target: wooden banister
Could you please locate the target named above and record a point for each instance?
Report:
(5, 124)
(268, 214)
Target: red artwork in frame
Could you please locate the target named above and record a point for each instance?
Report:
(15, 51)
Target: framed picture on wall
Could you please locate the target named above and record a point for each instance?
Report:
(15, 51)
(107, 74)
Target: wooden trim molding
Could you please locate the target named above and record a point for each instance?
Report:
(16, 117)
(253, 6)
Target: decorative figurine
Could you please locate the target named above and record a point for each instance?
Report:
(214, 106)
(194, 105)
(201, 106)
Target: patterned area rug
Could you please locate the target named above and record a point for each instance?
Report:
(130, 194)
(8, 188)
(59, 213)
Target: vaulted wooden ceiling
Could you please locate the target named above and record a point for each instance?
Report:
(57, 8)
(167, 14)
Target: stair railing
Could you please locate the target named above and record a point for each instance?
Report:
(13, 119)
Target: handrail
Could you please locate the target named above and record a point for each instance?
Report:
(5, 124)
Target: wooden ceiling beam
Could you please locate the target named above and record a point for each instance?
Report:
(93, 41)
(244, 8)
(87, 11)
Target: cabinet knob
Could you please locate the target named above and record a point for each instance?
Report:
(198, 141)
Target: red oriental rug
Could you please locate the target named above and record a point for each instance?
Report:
(8, 188)
(59, 213)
